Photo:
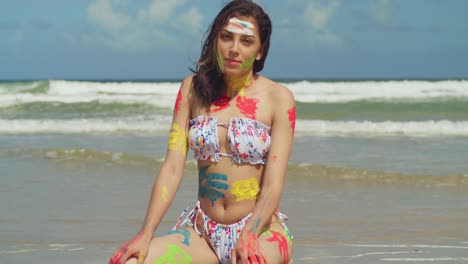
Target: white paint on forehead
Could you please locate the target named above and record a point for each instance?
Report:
(239, 26)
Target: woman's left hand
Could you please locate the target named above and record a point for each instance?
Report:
(247, 250)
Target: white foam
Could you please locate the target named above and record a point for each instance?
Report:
(387, 128)
(306, 91)
(160, 100)
(135, 124)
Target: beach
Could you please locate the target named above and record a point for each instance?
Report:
(364, 184)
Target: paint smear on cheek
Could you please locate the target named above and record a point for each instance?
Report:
(220, 59)
(177, 139)
(246, 65)
(174, 254)
(292, 117)
(247, 106)
(245, 189)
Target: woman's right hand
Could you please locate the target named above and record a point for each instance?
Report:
(137, 247)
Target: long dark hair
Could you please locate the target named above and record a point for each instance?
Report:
(208, 82)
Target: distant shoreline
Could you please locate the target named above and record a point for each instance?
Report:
(284, 80)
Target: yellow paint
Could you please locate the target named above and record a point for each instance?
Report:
(236, 85)
(245, 189)
(141, 257)
(177, 139)
(164, 193)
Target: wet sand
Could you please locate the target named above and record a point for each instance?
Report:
(81, 212)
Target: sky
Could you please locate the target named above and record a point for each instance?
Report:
(161, 39)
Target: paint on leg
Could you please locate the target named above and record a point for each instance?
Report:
(174, 254)
(184, 232)
(282, 244)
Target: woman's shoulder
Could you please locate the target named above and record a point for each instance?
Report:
(276, 90)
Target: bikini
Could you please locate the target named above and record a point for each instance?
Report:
(249, 142)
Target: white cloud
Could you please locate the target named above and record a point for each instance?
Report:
(381, 11)
(160, 10)
(150, 26)
(318, 18)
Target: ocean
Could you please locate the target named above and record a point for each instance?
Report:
(78, 158)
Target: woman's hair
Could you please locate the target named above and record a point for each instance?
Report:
(208, 82)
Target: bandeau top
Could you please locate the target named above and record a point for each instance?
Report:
(248, 138)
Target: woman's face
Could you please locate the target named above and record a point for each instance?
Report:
(238, 46)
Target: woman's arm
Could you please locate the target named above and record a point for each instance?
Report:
(166, 183)
(282, 134)
(172, 169)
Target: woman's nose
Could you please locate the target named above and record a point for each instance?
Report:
(234, 49)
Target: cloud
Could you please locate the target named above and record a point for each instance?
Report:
(152, 26)
(381, 11)
(318, 18)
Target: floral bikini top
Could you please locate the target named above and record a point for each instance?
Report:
(248, 138)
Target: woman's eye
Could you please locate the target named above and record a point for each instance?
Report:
(247, 41)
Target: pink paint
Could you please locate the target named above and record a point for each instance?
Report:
(220, 104)
(292, 117)
(247, 106)
(178, 100)
(282, 244)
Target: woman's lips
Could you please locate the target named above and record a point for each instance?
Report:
(230, 61)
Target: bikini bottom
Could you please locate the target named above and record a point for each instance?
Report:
(221, 237)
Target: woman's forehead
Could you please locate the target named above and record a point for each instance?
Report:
(242, 25)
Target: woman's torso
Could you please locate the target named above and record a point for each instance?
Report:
(229, 186)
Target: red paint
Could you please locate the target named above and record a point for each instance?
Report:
(247, 106)
(250, 247)
(220, 104)
(282, 244)
(292, 117)
(178, 100)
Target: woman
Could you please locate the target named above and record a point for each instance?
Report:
(240, 126)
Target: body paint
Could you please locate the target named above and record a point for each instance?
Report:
(174, 254)
(220, 60)
(246, 65)
(292, 117)
(245, 189)
(141, 256)
(212, 181)
(249, 245)
(177, 139)
(184, 232)
(282, 244)
(247, 106)
(164, 193)
(178, 100)
(238, 26)
(220, 104)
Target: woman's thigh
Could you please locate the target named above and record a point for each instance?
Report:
(181, 246)
(276, 243)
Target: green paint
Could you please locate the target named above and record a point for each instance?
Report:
(245, 65)
(220, 59)
(175, 255)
